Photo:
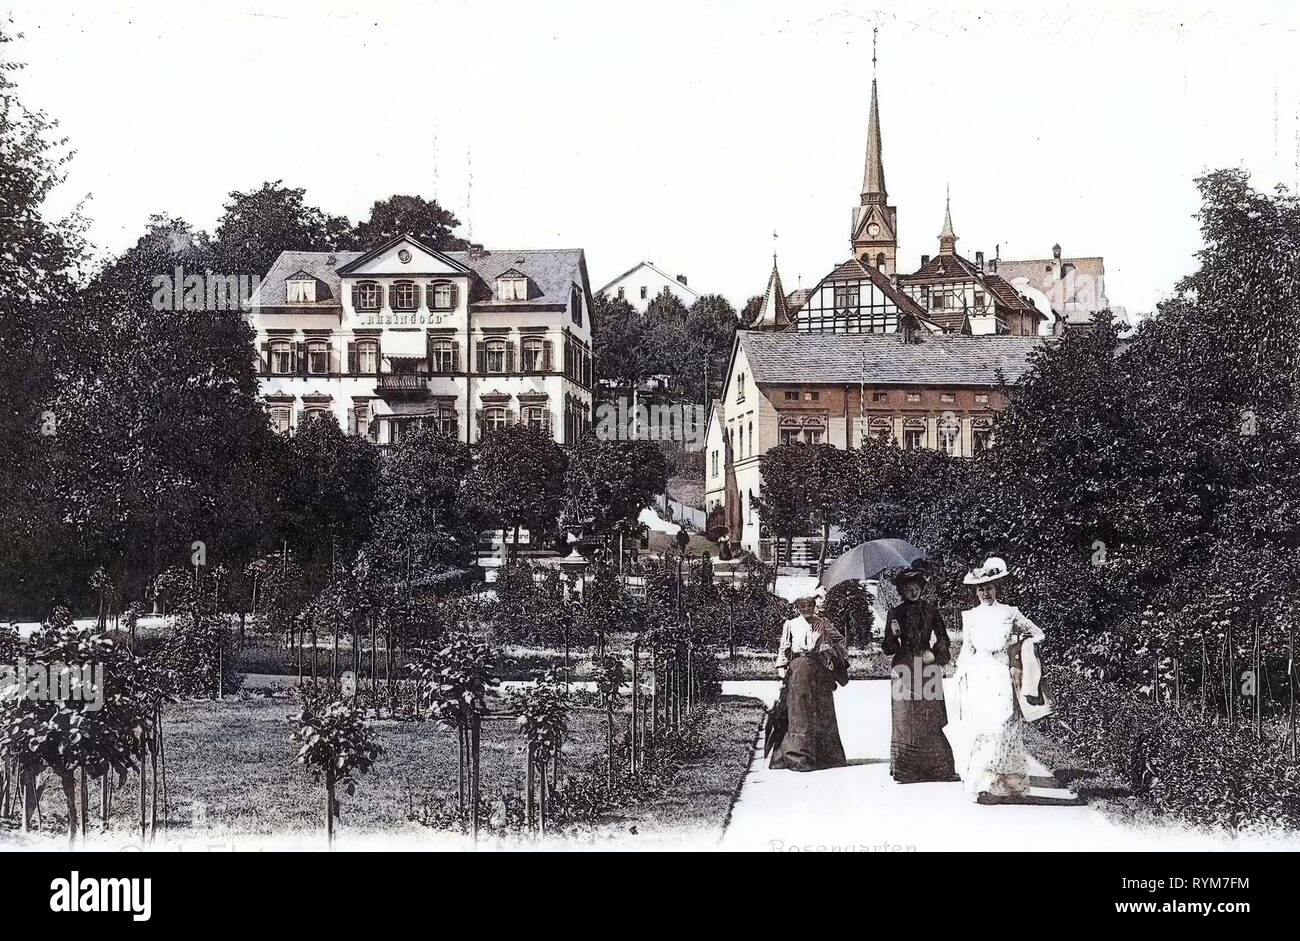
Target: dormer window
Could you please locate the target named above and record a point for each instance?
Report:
(512, 286)
(366, 295)
(301, 290)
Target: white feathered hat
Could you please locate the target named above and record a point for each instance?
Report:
(992, 569)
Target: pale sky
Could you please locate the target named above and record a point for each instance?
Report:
(682, 132)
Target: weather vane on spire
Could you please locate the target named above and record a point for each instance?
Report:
(874, 30)
(774, 248)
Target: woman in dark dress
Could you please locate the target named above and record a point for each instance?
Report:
(810, 651)
(918, 642)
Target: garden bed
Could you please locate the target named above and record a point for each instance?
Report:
(230, 771)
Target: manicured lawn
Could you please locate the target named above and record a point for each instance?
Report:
(230, 771)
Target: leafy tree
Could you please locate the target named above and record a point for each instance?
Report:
(620, 342)
(335, 744)
(806, 487)
(409, 215)
(749, 313)
(610, 482)
(710, 328)
(39, 266)
(100, 728)
(331, 493)
(259, 224)
(519, 480)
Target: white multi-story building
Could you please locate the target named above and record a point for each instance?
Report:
(642, 284)
(403, 336)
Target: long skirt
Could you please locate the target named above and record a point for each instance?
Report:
(988, 735)
(812, 738)
(918, 749)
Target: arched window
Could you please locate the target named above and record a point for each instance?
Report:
(318, 357)
(442, 296)
(367, 357)
(366, 295)
(537, 416)
(494, 356)
(281, 418)
(495, 417)
(281, 358)
(442, 356)
(405, 296)
(537, 355)
(575, 305)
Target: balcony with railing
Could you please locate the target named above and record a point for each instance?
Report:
(403, 385)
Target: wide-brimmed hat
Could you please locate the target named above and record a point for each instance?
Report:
(908, 575)
(992, 569)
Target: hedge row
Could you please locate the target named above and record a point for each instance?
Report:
(1207, 775)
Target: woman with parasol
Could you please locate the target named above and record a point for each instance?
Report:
(916, 638)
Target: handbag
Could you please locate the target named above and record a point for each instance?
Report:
(778, 720)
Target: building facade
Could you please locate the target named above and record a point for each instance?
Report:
(923, 390)
(404, 336)
(643, 283)
(1074, 287)
(922, 358)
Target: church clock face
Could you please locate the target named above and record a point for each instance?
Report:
(873, 229)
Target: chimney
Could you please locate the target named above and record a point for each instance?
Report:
(681, 279)
(925, 260)
(1056, 251)
(979, 260)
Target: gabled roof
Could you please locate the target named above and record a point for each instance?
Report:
(663, 274)
(854, 270)
(789, 356)
(552, 272)
(956, 267)
(291, 266)
(376, 252)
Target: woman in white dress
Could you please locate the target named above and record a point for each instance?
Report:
(987, 731)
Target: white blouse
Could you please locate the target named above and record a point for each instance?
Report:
(798, 635)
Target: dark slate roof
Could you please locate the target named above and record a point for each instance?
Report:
(950, 320)
(837, 358)
(551, 273)
(796, 299)
(1008, 296)
(274, 292)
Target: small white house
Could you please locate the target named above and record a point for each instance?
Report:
(642, 284)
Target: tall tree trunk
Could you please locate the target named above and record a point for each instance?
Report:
(530, 775)
(474, 786)
(329, 806)
(85, 805)
(143, 835)
(69, 781)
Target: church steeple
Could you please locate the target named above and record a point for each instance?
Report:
(873, 176)
(774, 314)
(947, 238)
(875, 223)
